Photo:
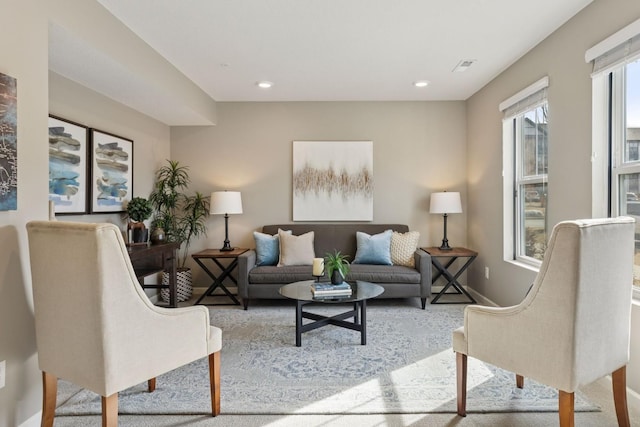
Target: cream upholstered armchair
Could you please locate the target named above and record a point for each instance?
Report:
(96, 327)
(572, 327)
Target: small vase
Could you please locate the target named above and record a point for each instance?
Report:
(140, 235)
(336, 277)
(158, 236)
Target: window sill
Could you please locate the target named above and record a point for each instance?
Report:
(526, 266)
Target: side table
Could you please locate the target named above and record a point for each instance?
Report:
(452, 277)
(216, 255)
(151, 259)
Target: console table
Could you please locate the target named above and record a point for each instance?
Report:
(153, 259)
(443, 270)
(216, 255)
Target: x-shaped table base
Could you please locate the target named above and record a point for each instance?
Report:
(452, 279)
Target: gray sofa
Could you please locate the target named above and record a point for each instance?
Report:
(263, 282)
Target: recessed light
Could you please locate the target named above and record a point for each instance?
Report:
(264, 84)
(421, 83)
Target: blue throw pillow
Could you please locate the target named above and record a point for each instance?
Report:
(374, 249)
(267, 248)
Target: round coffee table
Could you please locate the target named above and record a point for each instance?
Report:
(361, 292)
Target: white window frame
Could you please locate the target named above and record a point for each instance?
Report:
(610, 56)
(514, 108)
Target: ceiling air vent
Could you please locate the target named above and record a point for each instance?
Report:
(463, 65)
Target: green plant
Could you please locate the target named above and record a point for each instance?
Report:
(337, 261)
(182, 217)
(138, 209)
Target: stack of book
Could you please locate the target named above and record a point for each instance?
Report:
(329, 290)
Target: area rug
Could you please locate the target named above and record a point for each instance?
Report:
(407, 366)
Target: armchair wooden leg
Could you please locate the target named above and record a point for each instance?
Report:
(565, 406)
(151, 385)
(619, 380)
(461, 373)
(214, 378)
(110, 410)
(49, 394)
(519, 381)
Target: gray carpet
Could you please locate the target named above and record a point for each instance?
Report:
(406, 367)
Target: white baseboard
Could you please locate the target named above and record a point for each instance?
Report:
(633, 398)
(481, 299)
(33, 421)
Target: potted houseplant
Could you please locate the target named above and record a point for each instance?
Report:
(182, 218)
(337, 266)
(138, 210)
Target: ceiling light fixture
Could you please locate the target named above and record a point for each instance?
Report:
(463, 65)
(421, 83)
(264, 84)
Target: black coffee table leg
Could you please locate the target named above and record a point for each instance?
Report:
(363, 317)
(298, 323)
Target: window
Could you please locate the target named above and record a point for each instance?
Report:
(624, 131)
(525, 162)
(616, 129)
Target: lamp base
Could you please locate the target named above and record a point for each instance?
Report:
(445, 242)
(227, 246)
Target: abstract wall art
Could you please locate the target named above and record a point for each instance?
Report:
(111, 172)
(332, 180)
(68, 166)
(8, 143)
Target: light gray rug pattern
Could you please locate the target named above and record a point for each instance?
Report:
(407, 366)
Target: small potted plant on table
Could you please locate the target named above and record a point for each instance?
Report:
(138, 210)
(337, 267)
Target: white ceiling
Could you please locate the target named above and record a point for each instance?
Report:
(347, 50)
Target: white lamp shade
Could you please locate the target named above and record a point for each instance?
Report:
(446, 202)
(225, 202)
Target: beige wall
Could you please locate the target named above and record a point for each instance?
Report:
(418, 148)
(150, 137)
(26, 23)
(41, 93)
(561, 57)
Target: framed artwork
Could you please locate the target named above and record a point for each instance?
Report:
(332, 180)
(111, 172)
(68, 166)
(8, 143)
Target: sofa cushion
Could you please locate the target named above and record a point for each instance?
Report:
(278, 275)
(269, 274)
(403, 246)
(373, 249)
(384, 273)
(267, 248)
(296, 250)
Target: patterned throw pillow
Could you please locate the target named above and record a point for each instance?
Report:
(403, 246)
(296, 250)
(373, 249)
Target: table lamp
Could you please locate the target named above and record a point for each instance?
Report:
(445, 203)
(226, 202)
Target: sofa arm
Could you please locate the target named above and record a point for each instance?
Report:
(423, 265)
(246, 262)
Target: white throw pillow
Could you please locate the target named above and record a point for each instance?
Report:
(296, 250)
(403, 246)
